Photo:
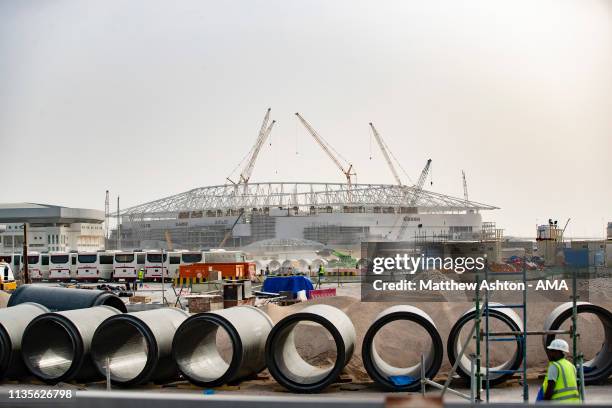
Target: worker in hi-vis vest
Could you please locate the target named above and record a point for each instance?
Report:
(141, 276)
(560, 384)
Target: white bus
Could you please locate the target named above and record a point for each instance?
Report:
(62, 266)
(191, 257)
(126, 265)
(38, 266)
(154, 264)
(14, 260)
(94, 266)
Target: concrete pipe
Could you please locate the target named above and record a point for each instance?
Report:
(289, 368)
(58, 299)
(138, 346)
(199, 357)
(13, 321)
(599, 368)
(501, 372)
(56, 346)
(381, 371)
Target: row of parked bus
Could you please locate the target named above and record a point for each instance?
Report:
(115, 265)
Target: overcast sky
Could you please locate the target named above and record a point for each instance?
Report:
(152, 98)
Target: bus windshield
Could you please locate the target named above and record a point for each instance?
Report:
(59, 259)
(192, 258)
(33, 259)
(88, 258)
(124, 258)
(156, 258)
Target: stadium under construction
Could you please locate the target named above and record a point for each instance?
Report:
(336, 214)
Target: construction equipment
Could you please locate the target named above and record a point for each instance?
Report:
(418, 187)
(264, 132)
(229, 232)
(329, 151)
(385, 151)
(465, 189)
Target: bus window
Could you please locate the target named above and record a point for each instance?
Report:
(175, 260)
(88, 259)
(74, 260)
(6, 273)
(192, 258)
(140, 259)
(156, 258)
(32, 259)
(59, 259)
(17, 260)
(45, 260)
(106, 259)
(125, 258)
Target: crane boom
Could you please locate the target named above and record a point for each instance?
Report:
(385, 153)
(418, 188)
(327, 149)
(264, 132)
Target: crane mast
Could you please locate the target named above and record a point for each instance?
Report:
(465, 189)
(328, 150)
(264, 132)
(418, 188)
(385, 153)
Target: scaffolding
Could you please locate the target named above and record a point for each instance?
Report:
(482, 307)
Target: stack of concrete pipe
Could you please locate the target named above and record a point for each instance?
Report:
(95, 340)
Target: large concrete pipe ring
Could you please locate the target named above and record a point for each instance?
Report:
(455, 342)
(56, 346)
(138, 346)
(13, 321)
(381, 371)
(599, 368)
(58, 299)
(289, 368)
(198, 357)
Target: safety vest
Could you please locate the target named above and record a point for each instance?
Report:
(322, 271)
(140, 274)
(566, 385)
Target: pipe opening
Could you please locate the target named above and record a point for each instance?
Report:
(596, 346)
(390, 354)
(305, 352)
(48, 349)
(115, 302)
(126, 348)
(506, 352)
(204, 350)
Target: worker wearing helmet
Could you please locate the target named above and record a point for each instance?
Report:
(560, 383)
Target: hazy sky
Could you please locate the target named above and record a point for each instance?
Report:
(152, 98)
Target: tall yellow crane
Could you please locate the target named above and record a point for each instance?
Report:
(348, 171)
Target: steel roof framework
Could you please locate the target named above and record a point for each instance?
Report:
(303, 195)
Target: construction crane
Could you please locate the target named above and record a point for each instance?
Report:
(264, 132)
(465, 189)
(229, 232)
(328, 150)
(418, 187)
(384, 150)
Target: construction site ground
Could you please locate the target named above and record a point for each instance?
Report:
(315, 347)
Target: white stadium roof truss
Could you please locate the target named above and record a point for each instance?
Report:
(303, 195)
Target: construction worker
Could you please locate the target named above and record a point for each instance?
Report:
(560, 384)
(141, 276)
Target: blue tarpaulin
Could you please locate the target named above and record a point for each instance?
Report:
(278, 284)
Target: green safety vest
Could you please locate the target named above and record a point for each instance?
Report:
(322, 271)
(566, 385)
(140, 274)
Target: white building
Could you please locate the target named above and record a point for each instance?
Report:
(50, 228)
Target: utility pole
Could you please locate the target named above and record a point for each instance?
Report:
(26, 275)
(106, 217)
(118, 227)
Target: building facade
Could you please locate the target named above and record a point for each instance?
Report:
(50, 228)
